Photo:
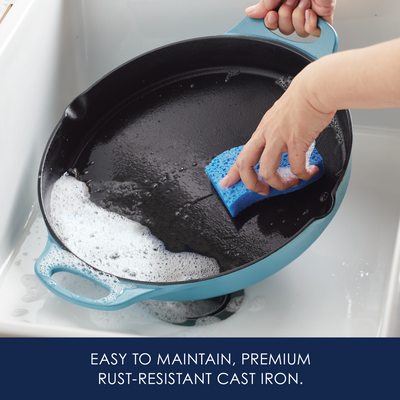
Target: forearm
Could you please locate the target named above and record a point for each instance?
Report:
(364, 78)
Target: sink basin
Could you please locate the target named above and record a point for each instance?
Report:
(345, 284)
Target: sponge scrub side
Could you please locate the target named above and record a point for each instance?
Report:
(237, 197)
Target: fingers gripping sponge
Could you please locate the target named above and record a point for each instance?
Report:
(237, 197)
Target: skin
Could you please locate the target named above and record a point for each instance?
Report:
(292, 15)
(364, 78)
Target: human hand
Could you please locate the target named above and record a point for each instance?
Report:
(293, 15)
(291, 126)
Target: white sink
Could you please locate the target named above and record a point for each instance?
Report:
(345, 284)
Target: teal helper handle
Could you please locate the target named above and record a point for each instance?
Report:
(121, 293)
(326, 44)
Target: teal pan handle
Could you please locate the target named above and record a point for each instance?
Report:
(120, 293)
(123, 293)
(326, 44)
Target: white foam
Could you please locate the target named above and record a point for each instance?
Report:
(286, 173)
(115, 244)
(284, 81)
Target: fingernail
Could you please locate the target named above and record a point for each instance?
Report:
(271, 18)
(250, 9)
(263, 194)
(303, 3)
(290, 2)
(308, 14)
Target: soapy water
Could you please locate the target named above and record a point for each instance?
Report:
(19, 312)
(178, 312)
(284, 81)
(286, 173)
(117, 245)
(35, 290)
(192, 313)
(60, 257)
(231, 73)
(335, 126)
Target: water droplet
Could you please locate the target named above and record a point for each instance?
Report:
(231, 73)
(324, 196)
(19, 312)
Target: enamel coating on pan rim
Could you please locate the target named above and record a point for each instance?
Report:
(128, 293)
(124, 293)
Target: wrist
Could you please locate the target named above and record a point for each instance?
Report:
(315, 89)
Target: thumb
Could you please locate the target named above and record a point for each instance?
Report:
(261, 9)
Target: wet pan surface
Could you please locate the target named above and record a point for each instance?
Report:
(142, 136)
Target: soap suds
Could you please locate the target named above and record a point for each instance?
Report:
(284, 81)
(286, 173)
(117, 245)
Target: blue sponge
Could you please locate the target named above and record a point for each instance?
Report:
(237, 197)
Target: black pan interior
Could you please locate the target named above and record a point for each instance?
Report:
(142, 136)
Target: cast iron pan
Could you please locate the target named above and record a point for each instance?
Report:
(142, 136)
